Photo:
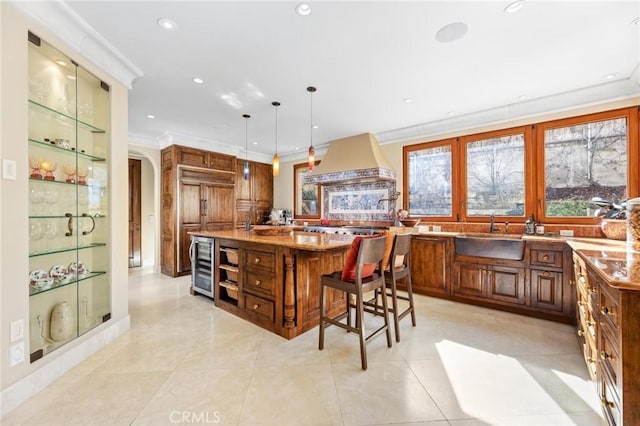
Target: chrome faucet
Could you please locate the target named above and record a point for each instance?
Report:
(492, 228)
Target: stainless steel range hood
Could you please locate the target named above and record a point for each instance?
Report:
(356, 159)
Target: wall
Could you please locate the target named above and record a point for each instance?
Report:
(283, 184)
(23, 380)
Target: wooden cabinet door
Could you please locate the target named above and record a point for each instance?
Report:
(430, 269)
(193, 157)
(262, 184)
(546, 290)
(470, 280)
(243, 186)
(218, 207)
(506, 284)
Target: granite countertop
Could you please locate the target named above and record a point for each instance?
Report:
(312, 241)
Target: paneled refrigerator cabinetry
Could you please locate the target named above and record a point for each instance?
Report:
(68, 139)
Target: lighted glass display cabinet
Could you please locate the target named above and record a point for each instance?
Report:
(68, 282)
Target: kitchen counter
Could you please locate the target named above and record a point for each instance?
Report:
(295, 240)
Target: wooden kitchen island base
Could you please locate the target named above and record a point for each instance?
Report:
(274, 281)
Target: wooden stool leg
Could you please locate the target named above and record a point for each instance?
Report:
(411, 306)
(385, 309)
(394, 303)
(360, 327)
(321, 338)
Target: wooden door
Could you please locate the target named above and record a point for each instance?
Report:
(469, 280)
(135, 209)
(546, 290)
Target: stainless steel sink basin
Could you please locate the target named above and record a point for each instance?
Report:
(494, 246)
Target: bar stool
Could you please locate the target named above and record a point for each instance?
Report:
(363, 275)
(399, 267)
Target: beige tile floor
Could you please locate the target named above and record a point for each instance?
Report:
(186, 362)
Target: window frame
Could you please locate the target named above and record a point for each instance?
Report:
(631, 115)
(534, 166)
(527, 131)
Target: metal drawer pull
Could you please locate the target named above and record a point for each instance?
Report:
(607, 403)
(546, 273)
(606, 311)
(258, 282)
(256, 260)
(256, 306)
(545, 257)
(580, 333)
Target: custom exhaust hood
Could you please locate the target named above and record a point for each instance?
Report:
(355, 159)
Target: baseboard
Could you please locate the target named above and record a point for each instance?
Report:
(19, 392)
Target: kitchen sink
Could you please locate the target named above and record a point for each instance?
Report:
(494, 246)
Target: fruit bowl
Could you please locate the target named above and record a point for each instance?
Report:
(614, 229)
(410, 222)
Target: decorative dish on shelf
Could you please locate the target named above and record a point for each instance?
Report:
(57, 272)
(36, 275)
(79, 268)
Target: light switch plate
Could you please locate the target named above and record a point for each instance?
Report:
(17, 330)
(9, 169)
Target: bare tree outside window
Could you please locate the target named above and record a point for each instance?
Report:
(495, 176)
(430, 182)
(584, 161)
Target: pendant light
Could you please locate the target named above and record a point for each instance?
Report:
(246, 146)
(276, 159)
(312, 152)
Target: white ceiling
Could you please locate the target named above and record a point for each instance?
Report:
(364, 57)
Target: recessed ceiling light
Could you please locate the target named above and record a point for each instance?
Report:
(610, 76)
(315, 126)
(452, 32)
(151, 116)
(303, 9)
(450, 113)
(254, 143)
(198, 80)
(71, 77)
(407, 100)
(513, 7)
(167, 24)
(521, 97)
(636, 21)
(61, 63)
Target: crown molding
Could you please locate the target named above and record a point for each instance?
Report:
(60, 19)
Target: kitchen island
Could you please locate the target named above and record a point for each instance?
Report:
(274, 281)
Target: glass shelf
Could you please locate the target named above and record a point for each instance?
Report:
(64, 216)
(65, 183)
(74, 248)
(61, 114)
(51, 145)
(34, 291)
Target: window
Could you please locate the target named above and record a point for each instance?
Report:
(584, 159)
(430, 180)
(550, 170)
(495, 176)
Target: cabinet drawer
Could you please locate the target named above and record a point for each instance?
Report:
(261, 307)
(609, 308)
(547, 258)
(609, 400)
(610, 357)
(260, 260)
(260, 281)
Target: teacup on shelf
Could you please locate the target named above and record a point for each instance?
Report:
(34, 164)
(82, 175)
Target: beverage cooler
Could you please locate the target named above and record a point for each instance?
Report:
(201, 253)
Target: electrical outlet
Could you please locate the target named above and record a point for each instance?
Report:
(17, 330)
(566, 233)
(16, 354)
(436, 228)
